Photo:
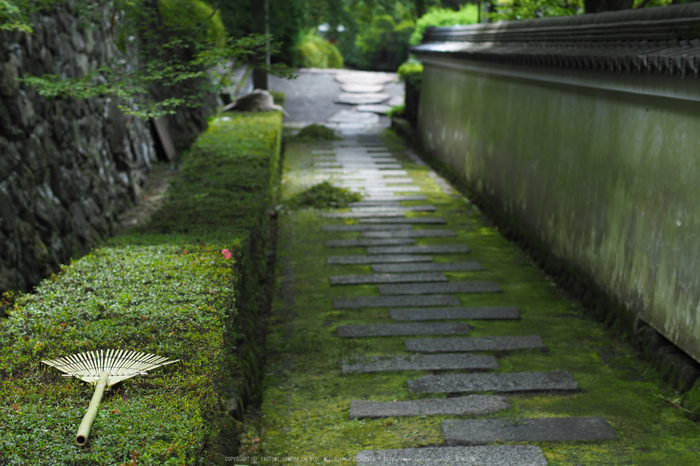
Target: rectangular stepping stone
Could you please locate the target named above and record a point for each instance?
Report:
(392, 197)
(408, 220)
(425, 362)
(491, 455)
(363, 171)
(398, 330)
(398, 189)
(361, 243)
(436, 249)
(374, 278)
(365, 227)
(395, 301)
(354, 166)
(432, 267)
(384, 208)
(433, 233)
(510, 382)
(376, 259)
(544, 429)
(472, 405)
(432, 288)
(375, 182)
(450, 345)
(439, 313)
(379, 213)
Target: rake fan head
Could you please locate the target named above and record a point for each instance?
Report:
(120, 365)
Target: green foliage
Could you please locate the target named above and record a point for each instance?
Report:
(411, 72)
(528, 9)
(396, 111)
(325, 195)
(165, 288)
(467, 14)
(315, 52)
(316, 132)
(384, 44)
(193, 18)
(278, 98)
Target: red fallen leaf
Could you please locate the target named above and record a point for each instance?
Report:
(63, 325)
(171, 332)
(143, 317)
(114, 411)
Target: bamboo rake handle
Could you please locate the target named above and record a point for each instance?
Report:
(89, 418)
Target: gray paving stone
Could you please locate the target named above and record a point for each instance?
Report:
(363, 171)
(381, 109)
(373, 278)
(365, 227)
(410, 220)
(365, 77)
(424, 362)
(394, 197)
(376, 259)
(432, 233)
(384, 213)
(395, 330)
(510, 382)
(435, 288)
(450, 345)
(435, 249)
(361, 99)
(492, 455)
(473, 405)
(408, 208)
(396, 189)
(362, 88)
(378, 176)
(432, 267)
(395, 301)
(373, 181)
(440, 313)
(358, 165)
(351, 116)
(548, 429)
(361, 243)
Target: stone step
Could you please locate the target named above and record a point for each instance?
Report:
(375, 175)
(436, 288)
(424, 362)
(440, 313)
(394, 301)
(428, 233)
(449, 345)
(359, 164)
(432, 249)
(372, 182)
(547, 429)
(493, 455)
(472, 405)
(431, 267)
(363, 243)
(507, 382)
(407, 220)
(376, 259)
(404, 208)
(362, 171)
(383, 214)
(386, 189)
(373, 279)
(394, 330)
(365, 227)
(391, 198)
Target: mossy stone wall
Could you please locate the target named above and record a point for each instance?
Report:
(599, 169)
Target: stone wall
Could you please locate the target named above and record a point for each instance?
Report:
(67, 167)
(587, 139)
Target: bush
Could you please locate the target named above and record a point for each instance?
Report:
(467, 14)
(384, 44)
(315, 52)
(316, 133)
(411, 73)
(186, 17)
(324, 195)
(164, 288)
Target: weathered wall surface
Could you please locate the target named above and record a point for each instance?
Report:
(602, 167)
(67, 167)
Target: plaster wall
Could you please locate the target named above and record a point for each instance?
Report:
(603, 168)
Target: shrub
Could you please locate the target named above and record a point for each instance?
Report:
(467, 14)
(384, 44)
(316, 133)
(411, 73)
(324, 195)
(186, 17)
(315, 52)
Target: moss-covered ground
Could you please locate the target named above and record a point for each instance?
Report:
(304, 414)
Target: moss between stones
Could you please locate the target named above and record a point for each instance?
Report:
(164, 288)
(305, 410)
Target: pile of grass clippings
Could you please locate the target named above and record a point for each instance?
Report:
(324, 196)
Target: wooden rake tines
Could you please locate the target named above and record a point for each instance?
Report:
(104, 369)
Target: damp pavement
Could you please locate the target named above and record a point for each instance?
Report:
(405, 330)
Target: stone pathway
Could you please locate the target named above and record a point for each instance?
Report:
(396, 271)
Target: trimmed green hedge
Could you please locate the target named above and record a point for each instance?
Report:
(167, 289)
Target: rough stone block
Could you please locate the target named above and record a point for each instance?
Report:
(393, 330)
(511, 382)
(496, 455)
(429, 233)
(434, 249)
(369, 279)
(431, 288)
(376, 259)
(473, 405)
(425, 362)
(552, 429)
(393, 301)
(439, 313)
(362, 243)
(449, 345)
(432, 267)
